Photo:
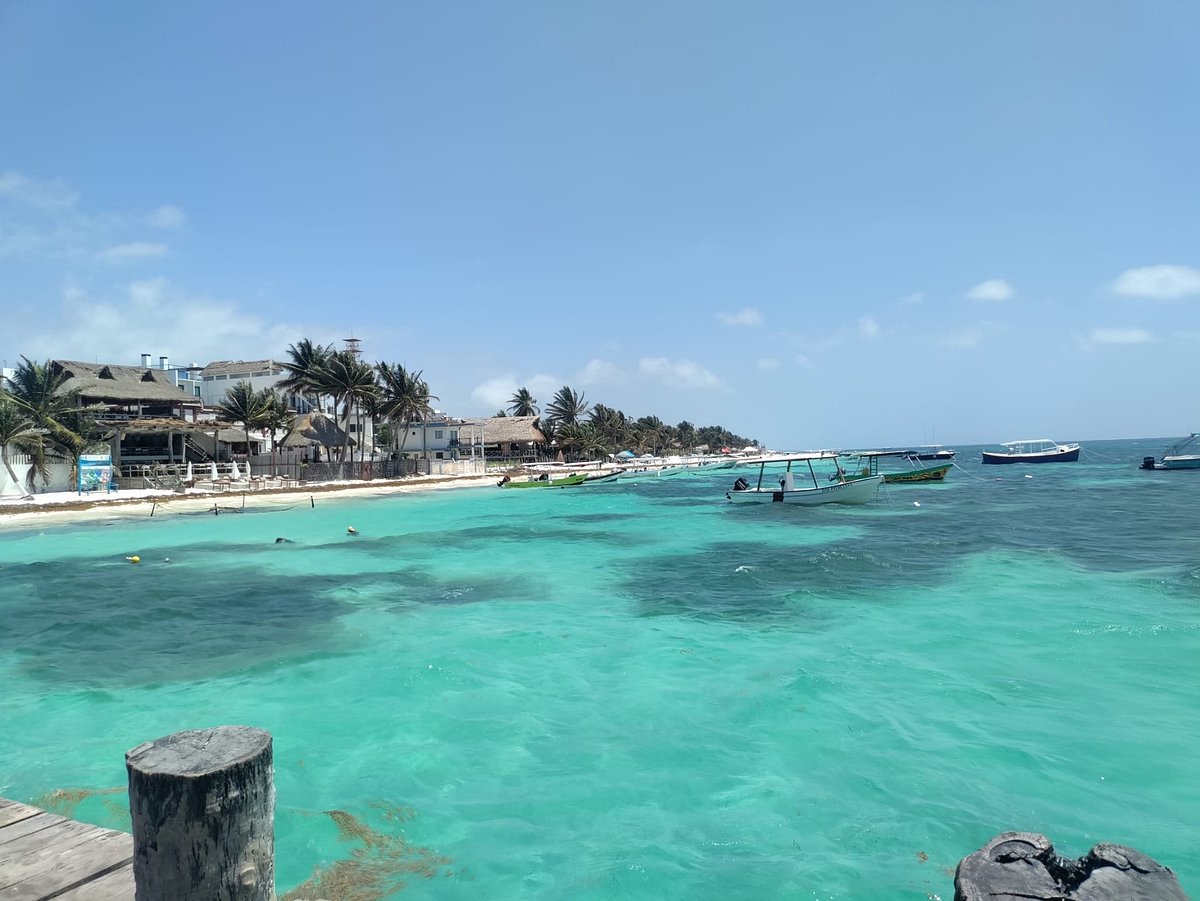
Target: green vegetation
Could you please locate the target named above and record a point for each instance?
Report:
(610, 431)
(40, 417)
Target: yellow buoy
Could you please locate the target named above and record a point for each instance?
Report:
(134, 559)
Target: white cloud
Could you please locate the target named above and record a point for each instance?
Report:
(542, 387)
(678, 373)
(766, 364)
(495, 392)
(868, 327)
(915, 297)
(1119, 336)
(166, 216)
(804, 361)
(138, 250)
(156, 317)
(47, 196)
(1159, 282)
(748, 316)
(992, 289)
(599, 372)
(971, 336)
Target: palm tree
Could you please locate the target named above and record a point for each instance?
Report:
(612, 426)
(276, 417)
(523, 403)
(650, 433)
(567, 406)
(17, 430)
(349, 381)
(549, 428)
(303, 370)
(687, 435)
(38, 388)
(404, 397)
(80, 433)
(245, 405)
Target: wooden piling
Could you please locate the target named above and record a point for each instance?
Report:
(203, 805)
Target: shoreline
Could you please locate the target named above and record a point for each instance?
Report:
(66, 507)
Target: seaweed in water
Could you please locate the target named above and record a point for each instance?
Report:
(378, 868)
(65, 801)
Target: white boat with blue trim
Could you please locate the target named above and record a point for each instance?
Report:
(800, 483)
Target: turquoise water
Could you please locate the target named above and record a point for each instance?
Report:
(639, 691)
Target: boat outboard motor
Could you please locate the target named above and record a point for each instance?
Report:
(741, 484)
(1147, 462)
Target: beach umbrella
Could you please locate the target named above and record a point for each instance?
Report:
(234, 473)
(212, 470)
(626, 454)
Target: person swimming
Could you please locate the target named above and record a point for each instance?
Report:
(283, 541)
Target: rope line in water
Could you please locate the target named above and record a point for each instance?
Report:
(969, 475)
(1092, 453)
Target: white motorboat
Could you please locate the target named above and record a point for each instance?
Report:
(802, 485)
(1183, 455)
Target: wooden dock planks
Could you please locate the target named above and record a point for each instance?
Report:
(44, 856)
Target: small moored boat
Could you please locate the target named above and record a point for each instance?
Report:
(1033, 450)
(915, 473)
(929, 452)
(544, 481)
(793, 487)
(1182, 455)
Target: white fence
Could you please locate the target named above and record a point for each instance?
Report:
(59, 472)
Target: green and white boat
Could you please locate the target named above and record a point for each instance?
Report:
(544, 481)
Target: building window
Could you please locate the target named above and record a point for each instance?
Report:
(453, 435)
(222, 378)
(440, 455)
(437, 434)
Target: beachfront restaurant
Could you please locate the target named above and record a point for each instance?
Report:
(501, 438)
(152, 419)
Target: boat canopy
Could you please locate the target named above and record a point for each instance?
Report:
(876, 453)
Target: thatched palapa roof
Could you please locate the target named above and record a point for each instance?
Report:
(128, 384)
(502, 430)
(315, 428)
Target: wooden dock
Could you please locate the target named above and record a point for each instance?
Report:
(44, 856)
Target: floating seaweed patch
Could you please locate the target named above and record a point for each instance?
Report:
(380, 866)
(65, 801)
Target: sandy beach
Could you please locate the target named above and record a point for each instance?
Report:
(69, 506)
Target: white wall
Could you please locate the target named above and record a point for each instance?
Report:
(60, 479)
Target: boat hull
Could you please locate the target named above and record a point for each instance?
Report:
(859, 491)
(568, 482)
(924, 474)
(1065, 456)
(1190, 461)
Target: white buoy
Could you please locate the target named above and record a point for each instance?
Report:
(1028, 476)
(916, 503)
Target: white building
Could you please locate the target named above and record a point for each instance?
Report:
(218, 377)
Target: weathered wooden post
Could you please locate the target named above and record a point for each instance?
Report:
(203, 804)
(1025, 865)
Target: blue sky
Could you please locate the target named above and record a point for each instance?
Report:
(816, 224)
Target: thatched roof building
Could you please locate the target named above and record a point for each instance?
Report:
(506, 436)
(315, 429)
(124, 385)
